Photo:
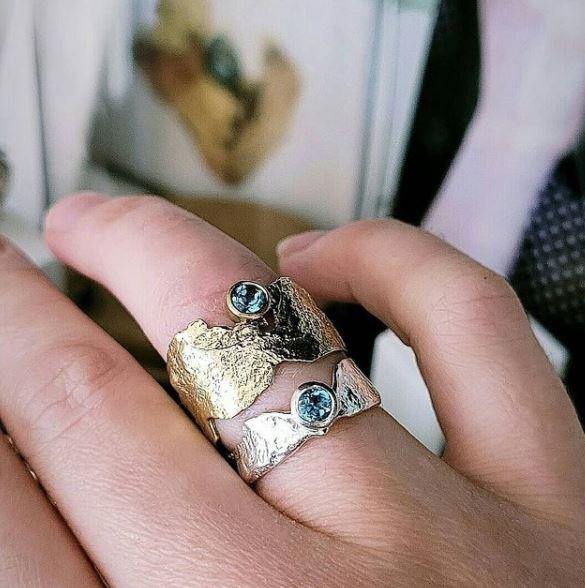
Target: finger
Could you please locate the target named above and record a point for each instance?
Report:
(506, 417)
(146, 495)
(169, 268)
(36, 547)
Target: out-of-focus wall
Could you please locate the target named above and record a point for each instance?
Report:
(348, 133)
(74, 40)
(20, 127)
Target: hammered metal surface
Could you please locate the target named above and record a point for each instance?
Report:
(355, 392)
(270, 438)
(220, 371)
(267, 440)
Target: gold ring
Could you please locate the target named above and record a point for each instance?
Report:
(220, 371)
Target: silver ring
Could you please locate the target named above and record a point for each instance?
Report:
(268, 439)
(220, 371)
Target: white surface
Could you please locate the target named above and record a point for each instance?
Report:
(314, 174)
(405, 37)
(5, 15)
(554, 349)
(20, 135)
(405, 395)
(73, 37)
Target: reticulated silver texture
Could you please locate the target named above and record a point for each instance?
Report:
(269, 438)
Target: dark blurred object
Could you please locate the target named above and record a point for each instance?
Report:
(358, 328)
(447, 101)
(549, 275)
(222, 63)
(550, 272)
(4, 176)
(448, 97)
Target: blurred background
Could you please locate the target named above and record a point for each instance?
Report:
(269, 118)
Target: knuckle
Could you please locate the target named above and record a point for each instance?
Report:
(18, 280)
(75, 382)
(10, 256)
(18, 568)
(189, 295)
(21, 284)
(372, 236)
(364, 230)
(118, 212)
(475, 301)
(5, 246)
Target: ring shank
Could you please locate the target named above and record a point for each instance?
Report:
(220, 371)
(270, 438)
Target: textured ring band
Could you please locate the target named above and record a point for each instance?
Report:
(269, 438)
(220, 371)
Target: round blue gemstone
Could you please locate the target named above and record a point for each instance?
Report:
(315, 404)
(249, 298)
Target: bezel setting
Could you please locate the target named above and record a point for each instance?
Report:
(240, 314)
(321, 424)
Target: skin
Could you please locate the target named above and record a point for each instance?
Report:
(138, 489)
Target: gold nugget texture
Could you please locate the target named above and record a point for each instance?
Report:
(220, 371)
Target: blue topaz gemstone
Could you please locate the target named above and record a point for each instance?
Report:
(248, 299)
(315, 404)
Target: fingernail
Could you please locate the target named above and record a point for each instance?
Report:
(297, 243)
(65, 214)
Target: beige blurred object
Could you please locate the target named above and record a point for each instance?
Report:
(258, 227)
(178, 21)
(262, 134)
(212, 113)
(236, 124)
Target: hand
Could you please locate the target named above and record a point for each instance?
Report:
(151, 502)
